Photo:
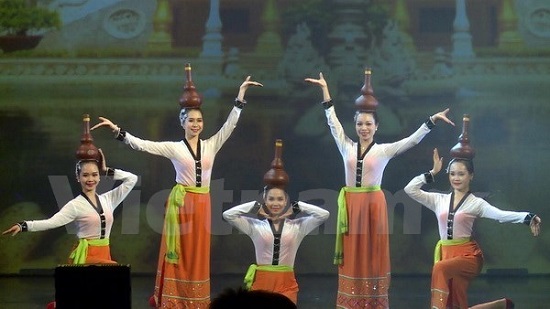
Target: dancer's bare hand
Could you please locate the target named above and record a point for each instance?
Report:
(442, 116)
(438, 163)
(244, 86)
(535, 225)
(14, 230)
(105, 122)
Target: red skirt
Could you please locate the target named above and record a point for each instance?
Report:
(96, 255)
(451, 276)
(364, 275)
(278, 282)
(187, 283)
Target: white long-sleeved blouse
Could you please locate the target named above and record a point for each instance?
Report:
(377, 157)
(473, 207)
(85, 215)
(183, 160)
(260, 231)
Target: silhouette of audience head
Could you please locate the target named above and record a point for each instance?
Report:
(241, 298)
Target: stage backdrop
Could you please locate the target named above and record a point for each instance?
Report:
(125, 60)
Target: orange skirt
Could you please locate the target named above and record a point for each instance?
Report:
(96, 255)
(451, 276)
(278, 282)
(364, 276)
(187, 283)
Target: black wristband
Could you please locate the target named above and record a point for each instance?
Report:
(121, 135)
(327, 104)
(23, 226)
(110, 172)
(430, 123)
(258, 207)
(529, 218)
(429, 177)
(296, 208)
(240, 104)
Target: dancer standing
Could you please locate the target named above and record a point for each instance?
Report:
(362, 242)
(183, 272)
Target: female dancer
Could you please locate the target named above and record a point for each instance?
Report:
(362, 242)
(92, 212)
(458, 258)
(276, 237)
(183, 272)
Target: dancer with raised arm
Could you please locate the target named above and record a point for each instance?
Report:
(90, 211)
(458, 259)
(362, 240)
(183, 272)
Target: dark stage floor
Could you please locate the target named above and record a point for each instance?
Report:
(316, 291)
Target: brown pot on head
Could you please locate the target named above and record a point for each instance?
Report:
(463, 149)
(87, 150)
(277, 176)
(190, 98)
(366, 101)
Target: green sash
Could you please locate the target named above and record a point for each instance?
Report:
(447, 242)
(251, 272)
(342, 220)
(80, 253)
(172, 226)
